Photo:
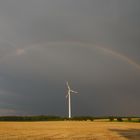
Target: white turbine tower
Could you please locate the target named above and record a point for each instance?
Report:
(69, 98)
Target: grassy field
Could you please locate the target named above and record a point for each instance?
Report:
(69, 130)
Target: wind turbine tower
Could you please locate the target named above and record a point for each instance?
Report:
(69, 98)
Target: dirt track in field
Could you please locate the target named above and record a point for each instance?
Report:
(69, 130)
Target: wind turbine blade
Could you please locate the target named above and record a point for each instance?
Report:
(73, 91)
(68, 85)
(67, 96)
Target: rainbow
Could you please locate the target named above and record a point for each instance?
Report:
(122, 57)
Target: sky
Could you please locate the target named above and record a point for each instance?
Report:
(92, 44)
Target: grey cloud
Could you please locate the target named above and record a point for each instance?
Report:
(36, 78)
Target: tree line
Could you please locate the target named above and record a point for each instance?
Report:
(58, 118)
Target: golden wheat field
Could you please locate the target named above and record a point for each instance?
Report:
(69, 130)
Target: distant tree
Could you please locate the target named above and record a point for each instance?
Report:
(129, 119)
(111, 119)
(119, 119)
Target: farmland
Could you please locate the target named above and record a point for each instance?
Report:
(69, 130)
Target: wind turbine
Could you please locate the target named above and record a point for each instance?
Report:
(69, 97)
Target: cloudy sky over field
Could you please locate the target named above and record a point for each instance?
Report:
(93, 44)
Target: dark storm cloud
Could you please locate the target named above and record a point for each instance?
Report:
(43, 43)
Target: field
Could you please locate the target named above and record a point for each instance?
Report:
(69, 130)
